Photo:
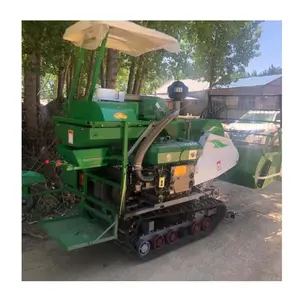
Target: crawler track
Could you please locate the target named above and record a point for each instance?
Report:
(198, 219)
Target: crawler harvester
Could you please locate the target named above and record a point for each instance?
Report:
(143, 174)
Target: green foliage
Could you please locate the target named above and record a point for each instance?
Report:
(272, 70)
(48, 87)
(122, 79)
(222, 48)
(160, 66)
(45, 39)
(213, 50)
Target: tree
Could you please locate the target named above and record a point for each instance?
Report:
(112, 68)
(222, 48)
(32, 39)
(148, 72)
(272, 70)
(213, 50)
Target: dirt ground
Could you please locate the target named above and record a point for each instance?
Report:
(244, 249)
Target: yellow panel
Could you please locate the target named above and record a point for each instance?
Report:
(180, 170)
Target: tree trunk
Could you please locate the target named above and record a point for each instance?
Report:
(30, 96)
(137, 85)
(141, 81)
(79, 85)
(60, 84)
(140, 86)
(38, 78)
(90, 73)
(68, 80)
(138, 76)
(137, 81)
(112, 69)
(70, 74)
(211, 84)
(131, 77)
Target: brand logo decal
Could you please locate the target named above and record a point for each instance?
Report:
(218, 144)
(120, 115)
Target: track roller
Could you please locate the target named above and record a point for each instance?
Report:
(171, 236)
(194, 228)
(206, 224)
(169, 233)
(158, 242)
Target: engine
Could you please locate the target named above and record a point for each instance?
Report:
(171, 164)
(169, 167)
(169, 181)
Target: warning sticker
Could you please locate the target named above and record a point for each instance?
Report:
(192, 154)
(71, 137)
(219, 167)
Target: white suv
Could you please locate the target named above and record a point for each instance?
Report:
(253, 127)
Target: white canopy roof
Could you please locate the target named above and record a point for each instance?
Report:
(124, 36)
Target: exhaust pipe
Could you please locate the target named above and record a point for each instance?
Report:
(162, 124)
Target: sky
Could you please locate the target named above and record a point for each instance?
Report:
(270, 47)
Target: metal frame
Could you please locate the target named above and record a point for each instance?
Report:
(99, 57)
(124, 169)
(193, 196)
(122, 185)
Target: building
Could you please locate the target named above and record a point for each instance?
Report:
(192, 105)
(261, 92)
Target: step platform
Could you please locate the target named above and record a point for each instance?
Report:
(79, 231)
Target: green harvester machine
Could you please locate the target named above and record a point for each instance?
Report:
(144, 175)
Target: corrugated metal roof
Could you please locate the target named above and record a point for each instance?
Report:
(250, 81)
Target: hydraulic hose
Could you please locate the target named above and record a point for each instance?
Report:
(147, 143)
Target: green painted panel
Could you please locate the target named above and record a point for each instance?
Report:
(152, 108)
(70, 178)
(163, 158)
(31, 177)
(83, 158)
(103, 111)
(172, 152)
(180, 128)
(252, 161)
(84, 137)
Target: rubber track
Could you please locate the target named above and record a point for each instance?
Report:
(207, 204)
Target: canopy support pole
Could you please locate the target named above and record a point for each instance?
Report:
(99, 57)
(76, 76)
